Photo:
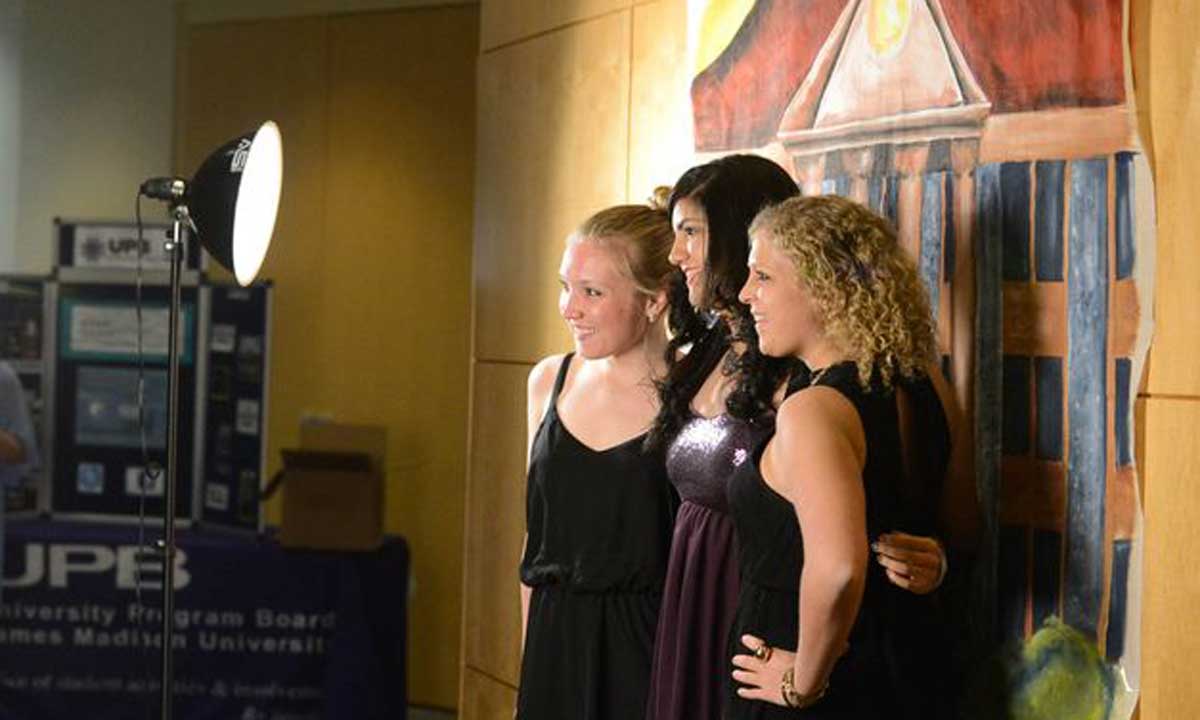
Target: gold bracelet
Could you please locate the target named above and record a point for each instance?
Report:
(793, 699)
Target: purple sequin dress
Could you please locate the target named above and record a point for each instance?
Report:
(700, 595)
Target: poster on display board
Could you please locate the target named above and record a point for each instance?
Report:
(117, 331)
(235, 406)
(106, 436)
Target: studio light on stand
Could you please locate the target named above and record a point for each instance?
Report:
(230, 205)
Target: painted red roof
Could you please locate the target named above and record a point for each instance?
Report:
(1026, 55)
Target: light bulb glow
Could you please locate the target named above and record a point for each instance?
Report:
(257, 203)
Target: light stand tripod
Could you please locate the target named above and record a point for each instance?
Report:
(231, 205)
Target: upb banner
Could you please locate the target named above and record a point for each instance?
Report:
(260, 632)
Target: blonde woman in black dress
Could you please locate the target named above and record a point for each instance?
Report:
(813, 634)
(599, 510)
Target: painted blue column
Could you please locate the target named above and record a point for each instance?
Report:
(1047, 574)
(1118, 606)
(933, 212)
(1087, 364)
(1017, 382)
(1048, 219)
(1126, 254)
(1014, 199)
(1011, 572)
(1049, 419)
(989, 246)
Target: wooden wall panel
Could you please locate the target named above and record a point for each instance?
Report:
(395, 275)
(217, 101)
(371, 258)
(552, 139)
(212, 11)
(483, 698)
(660, 119)
(1166, 72)
(1170, 643)
(508, 21)
(1162, 36)
(495, 521)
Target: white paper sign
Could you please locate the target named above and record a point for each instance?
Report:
(216, 497)
(223, 337)
(247, 417)
(112, 329)
(116, 246)
(136, 483)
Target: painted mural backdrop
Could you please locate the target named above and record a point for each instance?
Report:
(999, 137)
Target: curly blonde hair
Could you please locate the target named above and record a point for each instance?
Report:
(863, 285)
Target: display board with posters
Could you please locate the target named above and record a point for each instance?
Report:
(103, 347)
(235, 406)
(105, 435)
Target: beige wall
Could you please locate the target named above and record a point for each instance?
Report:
(85, 115)
(11, 15)
(582, 103)
(371, 256)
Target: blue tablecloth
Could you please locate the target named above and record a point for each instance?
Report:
(261, 632)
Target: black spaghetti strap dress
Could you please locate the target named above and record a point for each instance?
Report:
(599, 524)
(864, 680)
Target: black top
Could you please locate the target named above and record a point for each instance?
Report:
(863, 684)
(599, 525)
(597, 520)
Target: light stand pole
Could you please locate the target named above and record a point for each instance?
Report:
(231, 203)
(176, 247)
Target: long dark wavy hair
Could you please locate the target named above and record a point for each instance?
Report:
(732, 190)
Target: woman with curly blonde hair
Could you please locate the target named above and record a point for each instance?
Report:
(828, 285)
(874, 305)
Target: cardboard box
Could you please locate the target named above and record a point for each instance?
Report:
(333, 488)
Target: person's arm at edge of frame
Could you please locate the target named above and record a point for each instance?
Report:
(12, 450)
(14, 420)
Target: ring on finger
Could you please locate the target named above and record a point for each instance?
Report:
(763, 652)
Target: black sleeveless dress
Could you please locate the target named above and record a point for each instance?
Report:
(865, 680)
(599, 524)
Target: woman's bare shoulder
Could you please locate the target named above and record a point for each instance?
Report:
(541, 378)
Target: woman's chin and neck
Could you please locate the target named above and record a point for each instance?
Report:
(642, 358)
